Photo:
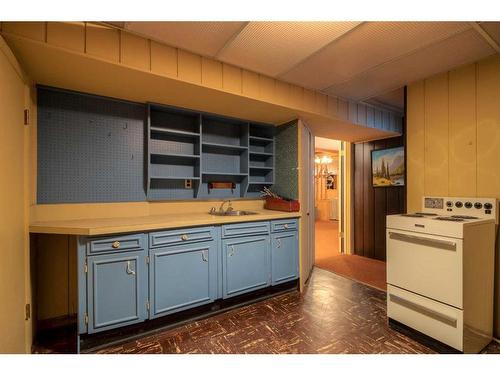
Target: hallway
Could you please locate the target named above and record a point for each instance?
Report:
(362, 269)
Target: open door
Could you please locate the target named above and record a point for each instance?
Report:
(306, 194)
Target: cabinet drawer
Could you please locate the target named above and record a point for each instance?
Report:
(116, 244)
(244, 229)
(284, 225)
(437, 320)
(181, 236)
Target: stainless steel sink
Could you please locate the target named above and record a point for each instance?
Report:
(232, 213)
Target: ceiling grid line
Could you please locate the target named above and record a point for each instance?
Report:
(231, 39)
(399, 57)
(280, 75)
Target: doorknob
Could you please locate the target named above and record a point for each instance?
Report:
(129, 270)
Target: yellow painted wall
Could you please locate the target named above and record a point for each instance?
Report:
(453, 135)
(13, 207)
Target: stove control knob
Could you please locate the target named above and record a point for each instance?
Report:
(458, 204)
(488, 206)
(468, 205)
(478, 205)
(449, 204)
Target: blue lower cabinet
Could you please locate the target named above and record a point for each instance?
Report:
(284, 257)
(182, 277)
(246, 264)
(117, 290)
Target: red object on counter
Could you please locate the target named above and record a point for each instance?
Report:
(281, 205)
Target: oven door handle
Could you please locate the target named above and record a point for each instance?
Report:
(446, 319)
(442, 244)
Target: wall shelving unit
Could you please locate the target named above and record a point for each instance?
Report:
(188, 150)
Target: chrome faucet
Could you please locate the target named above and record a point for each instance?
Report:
(229, 207)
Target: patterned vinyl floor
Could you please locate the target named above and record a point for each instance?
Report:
(334, 315)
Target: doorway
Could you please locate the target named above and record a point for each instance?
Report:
(332, 192)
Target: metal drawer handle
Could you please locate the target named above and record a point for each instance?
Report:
(204, 256)
(231, 251)
(424, 310)
(129, 270)
(286, 226)
(279, 242)
(184, 237)
(447, 245)
(115, 245)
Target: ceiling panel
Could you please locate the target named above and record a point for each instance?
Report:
(493, 30)
(274, 47)
(371, 44)
(205, 38)
(394, 98)
(460, 49)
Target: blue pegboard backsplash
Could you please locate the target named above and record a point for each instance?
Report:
(97, 149)
(90, 149)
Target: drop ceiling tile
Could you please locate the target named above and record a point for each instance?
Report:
(205, 38)
(367, 46)
(274, 47)
(460, 49)
(393, 98)
(492, 29)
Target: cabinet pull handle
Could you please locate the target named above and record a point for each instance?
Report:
(286, 226)
(115, 245)
(231, 251)
(279, 243)
(129, 270)
(184, 237)
(204, 256)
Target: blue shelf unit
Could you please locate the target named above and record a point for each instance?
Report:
(188, 150)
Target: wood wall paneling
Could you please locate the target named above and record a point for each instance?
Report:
(368, 193)
(135, 51)
(371, 205)
(462, 132)
(436, 135)
(231, 79)
(415, 145)
(69, 35)
(32, 30)
(103, 42)
(488, 128)
(358, 199)
(211, 73)
(189, 68)
(163, 59)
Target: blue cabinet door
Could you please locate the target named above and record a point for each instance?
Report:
(246, 264)
(117, 290)
(284, 257)
(182, 277)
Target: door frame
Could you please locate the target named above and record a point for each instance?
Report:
(306, 196)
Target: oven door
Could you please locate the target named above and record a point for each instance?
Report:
(426, 264)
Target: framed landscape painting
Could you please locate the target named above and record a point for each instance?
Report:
(388, 167)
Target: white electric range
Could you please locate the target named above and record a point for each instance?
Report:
(440, 270)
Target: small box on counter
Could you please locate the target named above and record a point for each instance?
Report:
(278, 204)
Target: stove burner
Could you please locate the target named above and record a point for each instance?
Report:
(448, 218)
(412, 215)
(464, 217)
(425, 214)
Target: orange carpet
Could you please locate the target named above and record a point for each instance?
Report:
(365, 270)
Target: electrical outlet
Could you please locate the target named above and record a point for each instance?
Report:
(188, 184)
